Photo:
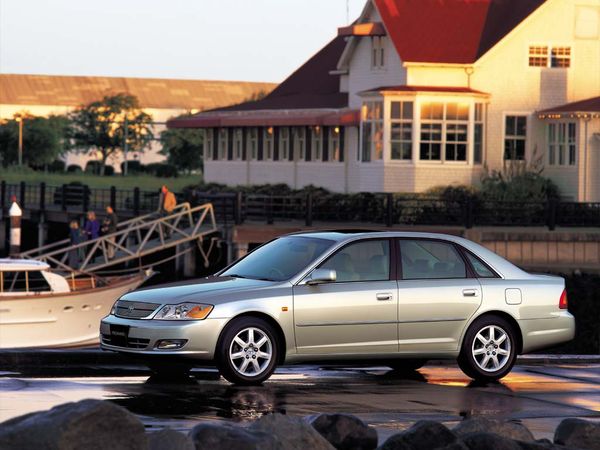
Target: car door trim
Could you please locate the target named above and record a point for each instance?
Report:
(332, 324)
(432, 320)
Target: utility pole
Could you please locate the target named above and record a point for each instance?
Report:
(20, 122)
(125, 136)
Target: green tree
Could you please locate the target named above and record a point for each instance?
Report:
(103, 126)
(183, 148)
(44, 140)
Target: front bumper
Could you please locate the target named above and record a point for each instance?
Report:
(144, 335)
(544, 333)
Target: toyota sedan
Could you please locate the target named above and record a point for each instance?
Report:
(390, 298)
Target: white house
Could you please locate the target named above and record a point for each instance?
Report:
(421, 93)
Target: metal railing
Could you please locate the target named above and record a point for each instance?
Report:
(366, 208)
(133, 239)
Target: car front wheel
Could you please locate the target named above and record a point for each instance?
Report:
(489, 349)
(247, 351)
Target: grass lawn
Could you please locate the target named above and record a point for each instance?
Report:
(144, 182)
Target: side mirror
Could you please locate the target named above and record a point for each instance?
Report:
(320, 276)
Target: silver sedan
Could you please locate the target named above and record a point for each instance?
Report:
(384, 297)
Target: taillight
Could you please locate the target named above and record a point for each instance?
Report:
(563, 303)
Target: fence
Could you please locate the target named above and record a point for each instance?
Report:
(366, 209)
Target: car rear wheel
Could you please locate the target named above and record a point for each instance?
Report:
(489, 349)
(247, 351)
(407, 365)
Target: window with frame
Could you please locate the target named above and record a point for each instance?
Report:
(238, 142)
(335, 151)
(432, 121)
(208, 143)
(284, 143)
(223, 141)
(378, 52)
(299, 135)
(562, 144)
(478, 133)
(428, 259)
(372, 131)
(546, 56)
(515, 138)
(252, 142)
(24, 281)
(361, 261)
(268, 140)
(457, 124)
(316, 136)
(401, 122)
(481, 269)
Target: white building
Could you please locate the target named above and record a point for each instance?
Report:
(417, 94)
(43, 95)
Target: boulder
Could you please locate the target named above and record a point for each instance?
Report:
(223, 436)
(169, 440)
(423, 435)
(489, 441)
(578, 433)
(290, 432)
(511, 430)
(88, 424)
(345, 431)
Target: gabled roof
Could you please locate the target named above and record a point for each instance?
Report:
(309, 87)
(450, 31)
(17, 89)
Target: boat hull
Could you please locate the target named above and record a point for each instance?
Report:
(60, 320)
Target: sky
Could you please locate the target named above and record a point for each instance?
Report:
(251, 40)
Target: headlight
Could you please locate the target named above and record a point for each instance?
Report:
(113, 310)
(184, 311)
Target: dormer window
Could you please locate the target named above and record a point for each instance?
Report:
(377, 52)
(546, 56)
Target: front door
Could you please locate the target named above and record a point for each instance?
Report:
(356, 314)
(436, 296)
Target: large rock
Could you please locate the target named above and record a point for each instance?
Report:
(344, 431)
(423, 435)
(578, 433)
(290, 433)
(489, 441)
(511, 430)
(169, 440)
(88, 424)
(223, 436)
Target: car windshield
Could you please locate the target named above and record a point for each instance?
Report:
(280, 259)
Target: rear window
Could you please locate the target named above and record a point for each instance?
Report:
(480, 268)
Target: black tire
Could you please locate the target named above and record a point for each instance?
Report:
(467, 360)
(230, 370)
(407, 365)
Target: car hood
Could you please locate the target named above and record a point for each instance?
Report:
(195, 290)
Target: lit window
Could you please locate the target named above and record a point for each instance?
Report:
(238, 143)
(222, 143)
(299, 142)
(562, 144)
(284, 142)
(401, 130)
(372, 131)
(561, 57)
(478, 134)
(432, 121)
(515, 138)
(252, 142)
(335, 143)
(538, 56)
(268, 142)
(378, 52)
(208, 143)
(316, 135)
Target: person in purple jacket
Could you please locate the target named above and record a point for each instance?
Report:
(92, 226)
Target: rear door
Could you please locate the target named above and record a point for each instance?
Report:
(437, 294)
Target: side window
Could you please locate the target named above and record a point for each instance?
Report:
(480, 268)
(363, 261)
(14, 282)
(423, 259)
(37, 282)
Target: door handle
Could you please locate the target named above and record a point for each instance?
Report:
(384, 296)
(470, 293)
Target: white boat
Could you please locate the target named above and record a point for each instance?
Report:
(41, 308)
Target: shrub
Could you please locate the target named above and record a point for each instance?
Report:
(133, 167)
(162, 170)
(74, 168)
(93, 167)
(109, 170)
(56, 166)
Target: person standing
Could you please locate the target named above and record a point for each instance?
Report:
(109, 226)
(168, 201)
(92, 226)
(74, 238)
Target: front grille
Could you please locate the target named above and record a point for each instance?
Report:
(135, 310)
(125, 343)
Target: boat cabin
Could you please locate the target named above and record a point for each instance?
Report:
(28, 277)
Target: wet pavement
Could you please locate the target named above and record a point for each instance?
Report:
(539, 395)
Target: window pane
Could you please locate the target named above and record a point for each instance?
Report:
(396, 112)
(378, 140)
(521, 126)
(437, 111)
(478, 144)
(407, 110)
(366, 142)
(363, 261)
(430, 260)
(480, 268)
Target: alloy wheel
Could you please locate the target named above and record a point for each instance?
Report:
(251, 351)
(491, 348)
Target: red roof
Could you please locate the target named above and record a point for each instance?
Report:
(442, 89)
(450, 31)
(309, 87)
(588, 105)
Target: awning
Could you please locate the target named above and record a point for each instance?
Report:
(343, 117)
(582, 109)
